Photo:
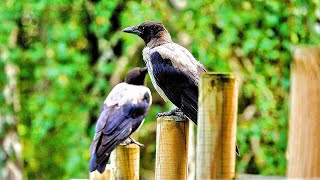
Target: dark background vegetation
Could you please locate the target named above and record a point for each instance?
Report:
(60, 59)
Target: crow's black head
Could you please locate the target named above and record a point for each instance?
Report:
(136, 76)
(148, 30)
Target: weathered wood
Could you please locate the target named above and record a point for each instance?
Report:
(192, 152)
(106, 175)
(216, 140)
(304, 124)
(126, 161)
(171, 148)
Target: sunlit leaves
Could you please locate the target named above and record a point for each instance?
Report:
(62, 83)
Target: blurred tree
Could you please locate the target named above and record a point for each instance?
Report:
(10, 149)
(10, 146)
(68, 55)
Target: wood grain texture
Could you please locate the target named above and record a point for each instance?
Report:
(126, 161)
(171, 148)
(106, 175)
(216, 139)
(192, 152)
(304, 123)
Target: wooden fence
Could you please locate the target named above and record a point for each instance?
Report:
(304, 124)
(216, 130)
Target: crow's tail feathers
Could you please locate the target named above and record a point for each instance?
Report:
(101, 168)
(95, 166)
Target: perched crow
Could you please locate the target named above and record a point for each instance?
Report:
(173, 70)
(122, 113)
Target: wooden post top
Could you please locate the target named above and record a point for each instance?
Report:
(171, 118)
(304, 125)
(126, 160)
(172, 148)
(216, 130)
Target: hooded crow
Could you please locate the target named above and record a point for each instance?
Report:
(123, 112)
(173, 70)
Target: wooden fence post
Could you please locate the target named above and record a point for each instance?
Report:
(126, 161)
(171, 148)
(217, 116)
(106, 175)
(304, 124)
(192, 152)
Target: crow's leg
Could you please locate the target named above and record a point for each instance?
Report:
(136, 142)
(125, 142)
(130, 140)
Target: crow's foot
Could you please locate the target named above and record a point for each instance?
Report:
(131, 141)
(174, 112)
(136, 142)
(125, 142)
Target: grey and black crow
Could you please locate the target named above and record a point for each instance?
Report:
(123, 112)
(173, 70)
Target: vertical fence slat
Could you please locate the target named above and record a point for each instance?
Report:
(218, 97)
(126, 161)
(304, 124)
(171, 148)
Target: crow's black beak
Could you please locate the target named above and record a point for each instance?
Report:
(132, 30)
(144, 70)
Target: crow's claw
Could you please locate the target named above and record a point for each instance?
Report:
(136, 142)
(174, 112)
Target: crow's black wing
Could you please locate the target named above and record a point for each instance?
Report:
(141, 110)
(115, 124)
(181, 87)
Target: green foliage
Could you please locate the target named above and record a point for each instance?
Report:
(71, 53)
